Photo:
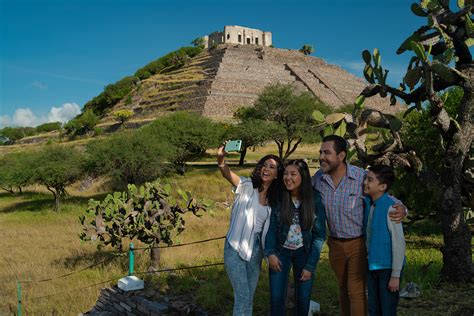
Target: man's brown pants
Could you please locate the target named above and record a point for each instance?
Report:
(348, 259)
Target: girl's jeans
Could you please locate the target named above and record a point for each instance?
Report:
(243, 275)
(279, 280)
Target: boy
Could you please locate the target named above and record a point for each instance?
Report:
(385, 243)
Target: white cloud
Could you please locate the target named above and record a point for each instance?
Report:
(64, 113)
(4, 121)
(26, 117)
(39, 85)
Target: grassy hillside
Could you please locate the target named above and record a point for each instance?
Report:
(40, 244)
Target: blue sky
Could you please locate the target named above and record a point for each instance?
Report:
(55, 55)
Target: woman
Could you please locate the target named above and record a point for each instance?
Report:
(249, 222)
(295, 238)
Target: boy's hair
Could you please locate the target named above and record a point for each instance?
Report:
(384, 174)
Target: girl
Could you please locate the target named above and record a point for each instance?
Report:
(249, 222)
(295, 238)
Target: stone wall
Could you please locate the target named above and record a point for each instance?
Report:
(114, 301)
(118, 302)
(242, 74)
(248, 36)
(245, 70)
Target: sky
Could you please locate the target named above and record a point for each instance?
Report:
(55, 55)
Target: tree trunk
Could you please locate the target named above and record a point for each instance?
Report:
(242, 156)
(457, 252)
(181, 169)
(56, 202)
(154, 258)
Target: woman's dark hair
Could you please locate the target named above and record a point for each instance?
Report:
(276, 188)
(305, 194)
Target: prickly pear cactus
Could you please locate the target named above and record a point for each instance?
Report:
(148, 213)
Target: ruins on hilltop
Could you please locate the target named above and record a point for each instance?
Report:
(234, 34)
(225, 77)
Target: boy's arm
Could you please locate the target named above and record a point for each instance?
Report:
(398, 245)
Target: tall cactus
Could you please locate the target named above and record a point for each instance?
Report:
(441, 60)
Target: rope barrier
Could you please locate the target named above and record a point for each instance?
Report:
(73, 290)
(183, 268)
(70, 273)
(180, 245)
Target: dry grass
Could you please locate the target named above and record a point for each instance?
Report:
(39, 243)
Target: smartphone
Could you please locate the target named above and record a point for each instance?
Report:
(233, 146)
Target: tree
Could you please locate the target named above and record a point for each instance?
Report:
(128, 157)
(251, 132)
(16, 171)
(441, 60)
(198, 42)
(123, 115)
(307, 49)
(48, 127)
(148, 213)
(82, 124)
(56, 167)
(15, 133)
(287, 116)
(188, 135)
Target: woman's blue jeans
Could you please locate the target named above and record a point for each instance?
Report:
(243, 275)
(279, 282)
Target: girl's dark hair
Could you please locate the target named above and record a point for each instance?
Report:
(307, 212)
(276, 188)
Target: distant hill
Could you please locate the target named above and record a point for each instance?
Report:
(218, 81)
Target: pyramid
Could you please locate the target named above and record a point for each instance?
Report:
(219, 80)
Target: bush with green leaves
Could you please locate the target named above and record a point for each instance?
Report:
(252, 134)
(111, 95)
(288, 115)
(16, 133)
(82, 124)
(168, 62)
(148, 213)
(56, 167)
(128, 157)
(48, 127)
(307, 49)
(17, 171)
(123, 115)
(198, 42)
(188, 135)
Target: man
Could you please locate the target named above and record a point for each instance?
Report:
(341, 188)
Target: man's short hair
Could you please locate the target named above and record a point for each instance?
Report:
(340, 144)
(384, 174)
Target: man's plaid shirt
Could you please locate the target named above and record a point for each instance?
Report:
(344, 204)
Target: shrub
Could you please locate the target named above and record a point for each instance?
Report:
(82, 124)
(148, 213)
(48, 127)
(188, 135)
(56, 167)
(123, 115)
(128, 157)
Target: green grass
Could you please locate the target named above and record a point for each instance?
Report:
(38, 243)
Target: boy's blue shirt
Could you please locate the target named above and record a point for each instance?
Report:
(379, 248)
